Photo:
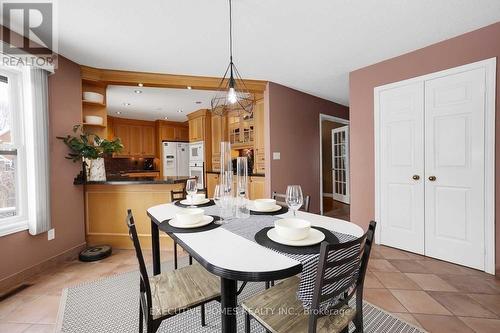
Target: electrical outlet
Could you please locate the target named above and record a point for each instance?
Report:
(51, 234)
(276, 155)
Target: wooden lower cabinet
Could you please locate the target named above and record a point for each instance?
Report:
(256, 186)
(106, 207)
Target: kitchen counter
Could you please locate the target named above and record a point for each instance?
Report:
(249, 175)
(167, 180)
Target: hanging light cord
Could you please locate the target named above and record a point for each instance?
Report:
(230, 33)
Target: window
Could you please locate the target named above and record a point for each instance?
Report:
(13, 215)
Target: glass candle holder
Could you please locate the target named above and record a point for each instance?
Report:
(242, 210)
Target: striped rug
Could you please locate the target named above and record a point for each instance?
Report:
(111, 305)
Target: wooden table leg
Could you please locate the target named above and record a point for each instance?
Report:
(228, 305)
(155, 245)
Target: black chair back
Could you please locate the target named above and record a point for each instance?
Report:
(281, 200)
(145, 288)
(341, 273)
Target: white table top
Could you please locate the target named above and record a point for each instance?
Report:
(227, 254)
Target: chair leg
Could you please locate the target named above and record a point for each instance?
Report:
(247, 322)
(346, 329)
(203, 323)
(175, 255)
(267, 284)
(272, 283)
(190, 260)
(141, 319)
(358, 319)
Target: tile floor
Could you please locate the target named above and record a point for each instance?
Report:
(438, 296)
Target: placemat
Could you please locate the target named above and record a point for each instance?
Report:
(283, 210)
(262, 239)
(166, 227)
(208, 204)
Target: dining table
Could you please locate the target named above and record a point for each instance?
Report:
(230, 251)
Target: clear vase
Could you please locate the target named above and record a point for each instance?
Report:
(226, 180)
(242, 210)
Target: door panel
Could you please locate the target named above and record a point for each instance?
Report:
(340, 163)
(454, 154)
(402, 158)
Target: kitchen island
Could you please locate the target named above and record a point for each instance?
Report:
(106, 204)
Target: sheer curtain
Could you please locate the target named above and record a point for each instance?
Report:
(37, 148)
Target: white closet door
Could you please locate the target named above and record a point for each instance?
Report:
(402, 167)
(454, 155)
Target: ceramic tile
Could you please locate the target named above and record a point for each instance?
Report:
(383, 299)
(393, 280)
(481, 325)
(381, 265)
(419, 302)
(442, 324)
(430, 282)
(461, 305)
(491, 302)
(409, 266)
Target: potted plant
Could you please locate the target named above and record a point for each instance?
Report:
(90, 149)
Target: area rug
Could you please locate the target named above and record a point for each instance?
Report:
(111, 305)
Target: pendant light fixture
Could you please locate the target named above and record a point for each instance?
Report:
(232, 94)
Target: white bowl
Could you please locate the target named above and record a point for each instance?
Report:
(190, 216)
(91, 96)
(264, 204)
(93, 120)
(292, 228)
(197, 198)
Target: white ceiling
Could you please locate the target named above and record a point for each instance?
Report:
(307, 45)
(155, 103)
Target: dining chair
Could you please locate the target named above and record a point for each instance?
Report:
(167, 294)
(281, 200)
(341, 274)
(181, 195)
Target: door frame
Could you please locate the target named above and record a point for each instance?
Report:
(489, 133)
(334, 119)
(348, 167)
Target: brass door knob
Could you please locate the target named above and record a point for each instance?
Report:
(416, 177)
(432, 178)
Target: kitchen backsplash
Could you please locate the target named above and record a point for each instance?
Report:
(114, 165)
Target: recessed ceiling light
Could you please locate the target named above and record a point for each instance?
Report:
(180, 111)
(198, 102)
(118, 112)
(138, 91)
(140, 85)
(189, 87)
(166, 118)
(126, 104)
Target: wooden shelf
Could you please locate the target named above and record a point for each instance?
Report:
(93, 103)
(95, 125)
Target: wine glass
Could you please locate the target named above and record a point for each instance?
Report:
(294, 198)
(218, 194)
(191, 189)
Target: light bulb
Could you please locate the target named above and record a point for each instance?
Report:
(231, 96)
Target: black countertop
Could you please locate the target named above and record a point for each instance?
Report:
(136, 181)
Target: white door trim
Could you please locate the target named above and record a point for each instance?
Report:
(490, 68)
(321, 118)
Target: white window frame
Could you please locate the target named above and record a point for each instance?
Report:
(19, 222)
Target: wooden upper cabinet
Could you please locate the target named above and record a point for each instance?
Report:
(136, 140)
(196, 129)
(182, 133)
(258, 116)
(167, 133)
(148, 141)
(123, 132)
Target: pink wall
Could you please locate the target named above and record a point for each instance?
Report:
(20, 249)
(293, 119)
(474, 46)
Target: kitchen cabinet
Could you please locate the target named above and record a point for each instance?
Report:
(219, 125)
(171, 132)
(182, 133)
(257, 188)
(137, 137)
(241, 130)
(212, 180)
(259, 161)
(196, 129)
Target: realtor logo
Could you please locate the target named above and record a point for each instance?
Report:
(28, 31)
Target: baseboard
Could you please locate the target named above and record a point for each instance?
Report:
(328, 195)
(16, 279)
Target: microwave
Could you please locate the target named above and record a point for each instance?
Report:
(196, 152)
